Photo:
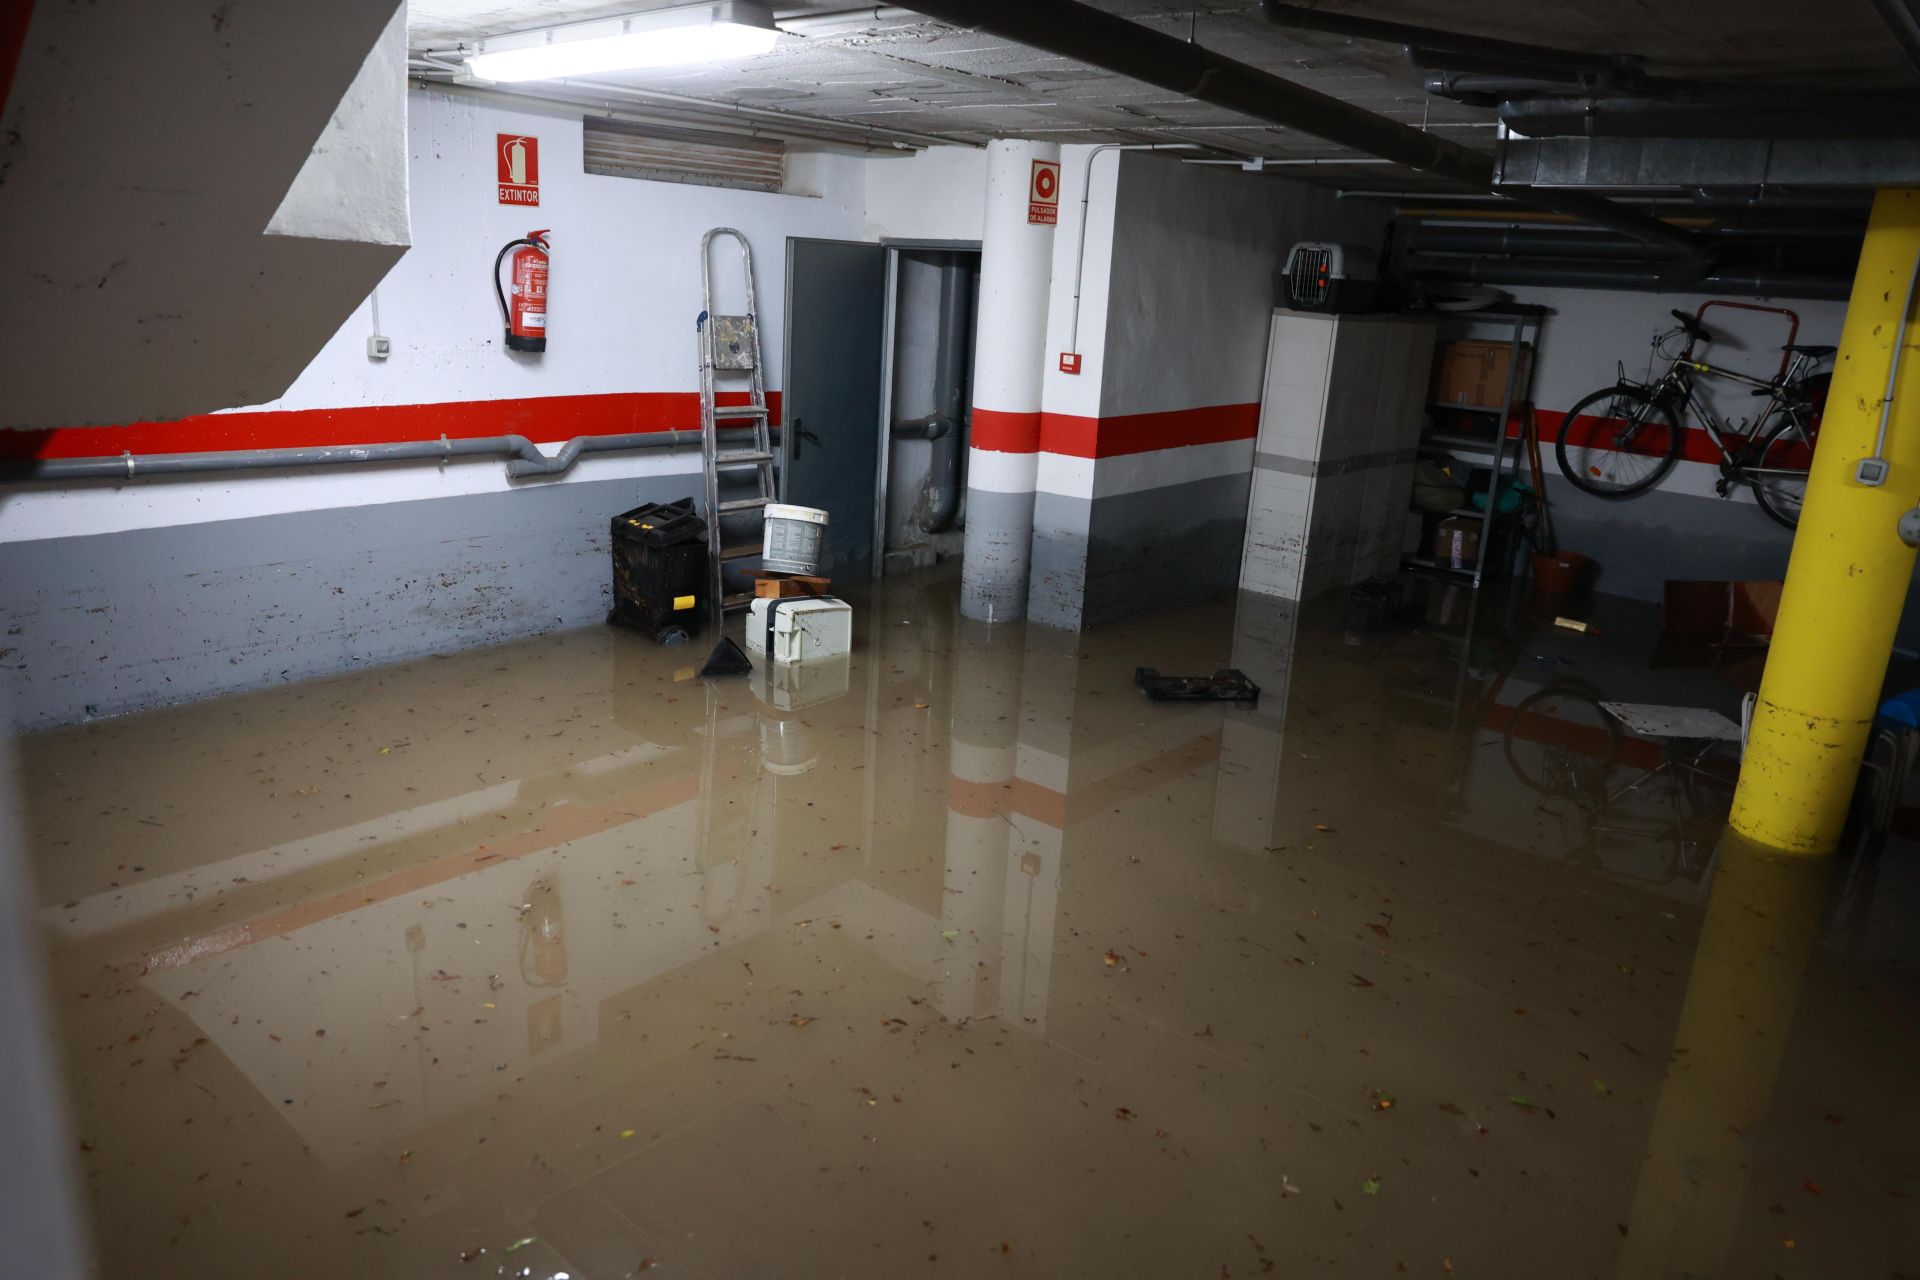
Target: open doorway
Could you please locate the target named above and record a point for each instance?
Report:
(933, 291)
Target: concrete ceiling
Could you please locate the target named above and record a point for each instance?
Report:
(941, 83)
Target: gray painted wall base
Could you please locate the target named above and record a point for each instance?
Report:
(1101, 560)
(112, 623)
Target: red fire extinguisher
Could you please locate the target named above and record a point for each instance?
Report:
(527, 322)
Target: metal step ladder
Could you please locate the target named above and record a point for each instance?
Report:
(730, 348)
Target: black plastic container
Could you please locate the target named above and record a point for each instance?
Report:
(660, 570)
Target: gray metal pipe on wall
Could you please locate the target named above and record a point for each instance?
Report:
(950, 392)
(525, 458)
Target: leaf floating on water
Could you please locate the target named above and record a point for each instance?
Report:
(626, 1133)
(1521, 1100)
(1378, 928)
(1382, 1100)
(798, 1020)
(468, 1255)
(1451, 1109)
(1321, 826)
(1810, 1185)
(519, 1244)
(1112, 958)
(1123, 1113)
(1446, 1264)
(949, 934)
(1371, 1186)
(1600, 1086)
(354, 1213)
(1359, 981)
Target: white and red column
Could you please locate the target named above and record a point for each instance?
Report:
(1009, 364)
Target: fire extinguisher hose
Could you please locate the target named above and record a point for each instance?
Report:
(501, 257)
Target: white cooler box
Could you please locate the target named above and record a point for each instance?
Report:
(804, 628)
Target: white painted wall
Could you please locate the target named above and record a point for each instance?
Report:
(1592, 328)
(1089, 181)
(934, 194)
(625, 288)
(1682, 528)
(1193, 278)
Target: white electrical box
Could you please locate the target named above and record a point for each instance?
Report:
(802, 628)
(379, 347)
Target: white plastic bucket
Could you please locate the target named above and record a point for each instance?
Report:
(794, 539)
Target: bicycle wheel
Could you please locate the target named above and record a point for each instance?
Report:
(1617, 442)
(1560, 742)
(1788, 447)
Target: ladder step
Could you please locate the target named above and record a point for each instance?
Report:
(740, 411)
(743, 504)
(746, 551)
(741, 458)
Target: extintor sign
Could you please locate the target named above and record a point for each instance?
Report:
(518, 159)
(1043, 193)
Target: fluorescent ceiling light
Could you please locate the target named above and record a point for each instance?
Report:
(659, 38)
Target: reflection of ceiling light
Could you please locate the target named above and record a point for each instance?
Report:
(661, 38)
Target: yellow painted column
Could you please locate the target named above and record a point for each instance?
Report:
(1847, 579)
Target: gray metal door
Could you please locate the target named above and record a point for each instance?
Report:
(830, 411)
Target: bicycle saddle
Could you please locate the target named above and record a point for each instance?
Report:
(1815, 352)
(1692, 325)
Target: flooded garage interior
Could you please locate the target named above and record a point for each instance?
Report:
(787, 640)
(959, 956)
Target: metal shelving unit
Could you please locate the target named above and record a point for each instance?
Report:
(1520, 316)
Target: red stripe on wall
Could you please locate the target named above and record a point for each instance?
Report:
(1695, 444)
(542, 418)
(1005, 432)
(1084, 437)
(1146, 432)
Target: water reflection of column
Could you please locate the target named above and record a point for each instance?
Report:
(986, 709)
(1249, 795)
(1763, 919)
(1048, 684)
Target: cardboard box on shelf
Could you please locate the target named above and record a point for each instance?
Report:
(1475, 373)
(1456, 542)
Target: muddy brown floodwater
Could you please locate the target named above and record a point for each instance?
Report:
(963, 958)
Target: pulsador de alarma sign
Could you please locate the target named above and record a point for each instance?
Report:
(518, 159)
(1043, 193)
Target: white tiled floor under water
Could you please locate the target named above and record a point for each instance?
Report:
(966, 959)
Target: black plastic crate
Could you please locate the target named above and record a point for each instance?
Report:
(660, 570)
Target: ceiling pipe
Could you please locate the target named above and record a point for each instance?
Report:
(1646, 277)
(1099, 39)
(872, 17)
(1708, 112)
(1426, 41)
(1533, 241)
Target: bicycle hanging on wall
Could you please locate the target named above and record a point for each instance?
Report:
(1623, 439)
